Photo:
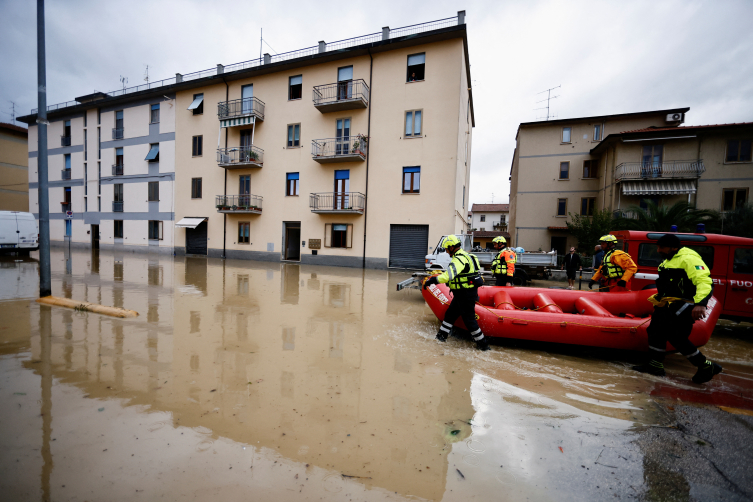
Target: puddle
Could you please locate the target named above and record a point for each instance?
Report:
(280, 379)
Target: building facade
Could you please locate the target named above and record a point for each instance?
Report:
(353, 153)
(14, 168)
(490, 217)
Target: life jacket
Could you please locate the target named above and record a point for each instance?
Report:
(499, 263)
(675, 282)
(463, 269)
(609, 269)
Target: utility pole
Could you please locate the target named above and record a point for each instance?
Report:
(45, 283)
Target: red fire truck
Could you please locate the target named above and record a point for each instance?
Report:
(730, 260)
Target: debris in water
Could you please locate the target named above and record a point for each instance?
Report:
(563, 451)
(359, 477)
(213, 390)
(455, 432)
(461, 474)
(101, 409)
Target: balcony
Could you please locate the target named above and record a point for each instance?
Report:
(238, 204)
(239, 112)
(675, 169)
(240, 157)
(65, 141)
(65, 174)
(117, 207)
(117, 169)
(117, 133)
(337, 203)
(350, 95)
(348, 149)
(66, 206)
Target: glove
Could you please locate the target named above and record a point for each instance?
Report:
(591, 284)
(622, 284)
(432, 280)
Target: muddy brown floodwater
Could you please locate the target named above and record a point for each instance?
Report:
(277, 381)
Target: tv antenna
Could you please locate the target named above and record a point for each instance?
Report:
(549, 97)
(146, 74)
(123, 81)
(492, 197)
(12, 111)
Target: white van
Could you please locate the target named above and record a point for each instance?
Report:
(18, 232)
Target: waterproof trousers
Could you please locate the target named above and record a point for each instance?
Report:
(667, 326)
(463, 305)
(502, 280)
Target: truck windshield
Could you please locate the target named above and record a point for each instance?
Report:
(648, 256)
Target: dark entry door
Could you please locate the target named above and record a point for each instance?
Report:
(408, 246)
(559, 244)
(95, 236)
(196, 239)
(292, 241)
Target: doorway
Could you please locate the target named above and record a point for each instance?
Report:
(196, 239)
(559, 244)
(292, 244)
(95, 236)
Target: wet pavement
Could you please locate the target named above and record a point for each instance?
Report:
(286, 382)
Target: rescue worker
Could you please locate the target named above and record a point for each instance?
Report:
(463, 277)
(503, 266)
(683, 289)
(616, 268)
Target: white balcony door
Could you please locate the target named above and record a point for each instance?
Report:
(342, 187)
(343, 137)
(345, 82)
(247, 92)
(652, 160)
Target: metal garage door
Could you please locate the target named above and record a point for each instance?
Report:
(408, 245)
(196, 239)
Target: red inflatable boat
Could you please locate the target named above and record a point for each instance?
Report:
(609, 320)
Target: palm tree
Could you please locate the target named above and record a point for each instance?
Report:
(738, 222)
(657, 218)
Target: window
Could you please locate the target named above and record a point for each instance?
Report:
(295, 87)
(244, 186)
(99, 204)
(86, 180)
(99, 178)
(411, 179)
(197, 145)
(118, 132)
(648, 256)
(564, 170)
(597, 132)
(118, 156)
(643, 202)
(483, 218)
(153, 191)
(243, 232)
(561, 207)
(153, 155)
(155, 230)
(247, 97)
(743, 261)
(345, 82)
(587, 205)
(196, 188)
(566, 134)
(67, 157)
(99, 116)
(342, 135)
(86, 205)
(733, 198)
(413, 123)
(738, 150)
(99, 143)
(67, 196)
(463, 196)
(591, 168)
(67, 129)
(117, 230)
(291, 186)
(86, 143)
(154, 118)
(117, 192)
(85, 114)
(338, 235)
(197, 105)
(294, 135)
(416, 66)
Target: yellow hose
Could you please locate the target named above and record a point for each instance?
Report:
(87, 307)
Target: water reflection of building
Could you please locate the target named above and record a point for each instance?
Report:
(312, 380)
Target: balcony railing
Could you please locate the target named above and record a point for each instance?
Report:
(117, 133)
(117, 169)
(240, 108)
(337, 202)
(348, 149)
(688, 169)
(246, 204)
(240, 156)
(117, 207)
(65, 174)
(66, 206)
(340, 96)
(65, 141)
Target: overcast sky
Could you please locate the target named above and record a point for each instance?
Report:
(609, 57)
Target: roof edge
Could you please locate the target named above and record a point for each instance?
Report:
(612, 116)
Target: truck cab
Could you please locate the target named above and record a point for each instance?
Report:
(730, 261)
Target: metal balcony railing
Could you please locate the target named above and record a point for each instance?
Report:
(668, 169)
(65, 141)
(238, 203)
(341, 95)
(117, 207)
(117, 133)
(337, 202)
(339, 149)
(117, 169)
(66, 206)
(65, 174)
(240, 156)
(241, 108)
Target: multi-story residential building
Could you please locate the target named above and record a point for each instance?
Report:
(490, 217)
(13, 168)
(319, 156)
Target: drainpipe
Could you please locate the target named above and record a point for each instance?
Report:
(368, 155)
(224, 215)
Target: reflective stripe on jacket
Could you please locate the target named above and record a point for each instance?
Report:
(685, 276)
(616, 265)
(504, 263)
(462, 269)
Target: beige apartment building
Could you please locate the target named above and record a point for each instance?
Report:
(13, 168)
(582, 165)
(349, 153)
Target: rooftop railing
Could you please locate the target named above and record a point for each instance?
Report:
(337, 202)
(668, 169)
(240, 108)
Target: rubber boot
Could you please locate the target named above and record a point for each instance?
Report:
(442, 336)
(482, 344)
(652, 368)
(706, 372)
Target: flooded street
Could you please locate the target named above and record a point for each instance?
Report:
(271, 381)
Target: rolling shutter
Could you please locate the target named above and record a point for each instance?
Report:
(408, 246)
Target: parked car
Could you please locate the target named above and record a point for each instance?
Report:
(18, 232)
